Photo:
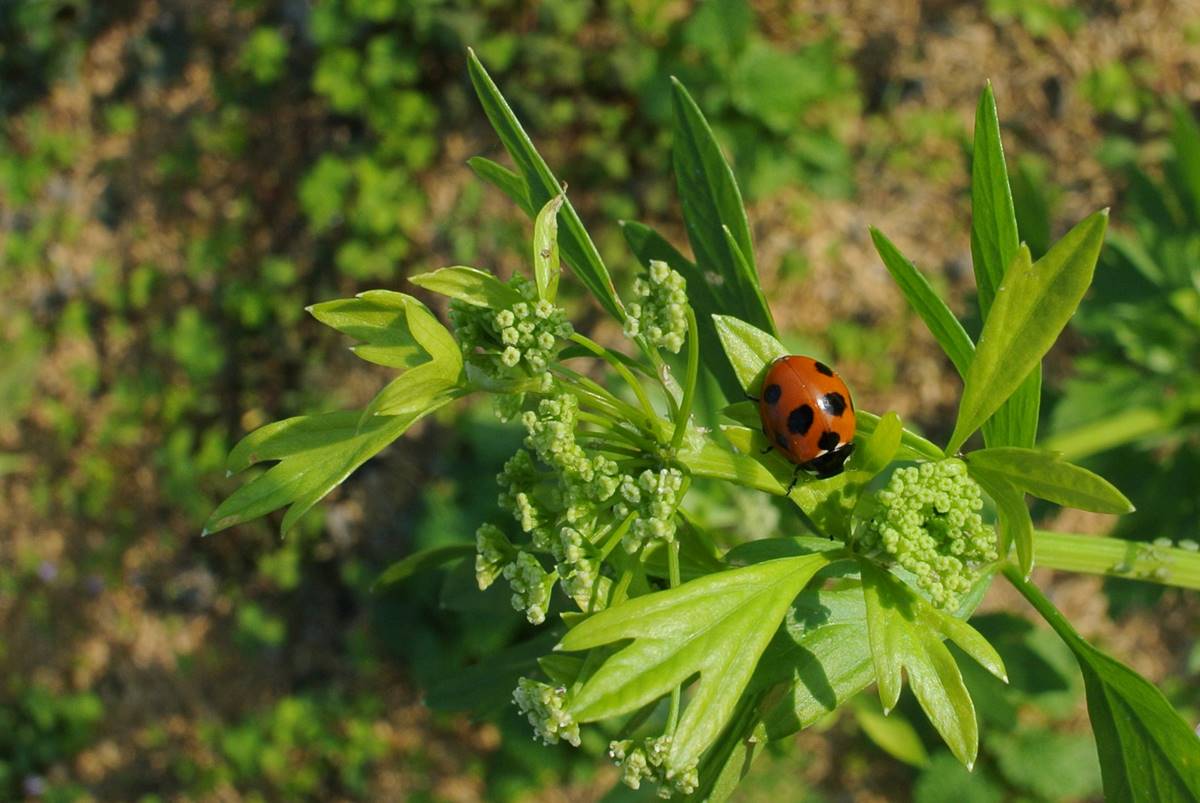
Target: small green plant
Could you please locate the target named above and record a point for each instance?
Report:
(689, 658)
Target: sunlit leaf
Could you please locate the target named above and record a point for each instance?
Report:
(474, 286)
(894, 734)
(396, 330)
(1031, 307)
(1147, 752)
(1047, 476)
(994, 244)
(749, 349)
(716, 626)
(938, 318)
(711, 200)
(504, 180)
(906, 635)
(541, 185)
(1016, 525)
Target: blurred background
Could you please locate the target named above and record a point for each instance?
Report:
(180, 178)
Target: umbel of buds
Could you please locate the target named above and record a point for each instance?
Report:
(928, 522)
(660, 312)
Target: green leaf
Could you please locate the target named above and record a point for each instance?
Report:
(711, 202)
(906, 634)
(417, 388)
(1185, 136)
(912, 445)
(504, 180)
(1031, 307)
(396, 330)
(476, 287)
(648, 245)
(546, 268)
(485, 688)
(316, 454)
(1047, 476)
(994, 238)
(942, 324)
(994, 245)
(823, 656)
(577, 247)
(1147, 751)
(879, 449)
(894, 734)
(1016, 526)
(716, 626)
(422, 561)
(749, 349)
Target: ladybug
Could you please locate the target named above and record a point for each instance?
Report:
(807, 414)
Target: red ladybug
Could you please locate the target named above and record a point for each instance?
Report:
(807, 414)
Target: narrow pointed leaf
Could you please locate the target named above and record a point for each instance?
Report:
(749, 349)
(1031, 307)
(416, 389)
(476, 287)
(316, 454)
(390, 326)
(1016, 525)
(577, 246)
(504, 180)
(994, 243)
(1048, 476)
(1148, 753)
(545, 248)
(711, 200)
(422, 561)
(716, 626)
(938, 318)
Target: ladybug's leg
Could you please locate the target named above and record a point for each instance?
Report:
(752, 398)
(792, 484)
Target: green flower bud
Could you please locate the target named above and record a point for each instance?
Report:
(531, 586)
(545, 708)
(660, 311)
(493, 552)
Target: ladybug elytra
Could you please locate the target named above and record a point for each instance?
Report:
(807, 414)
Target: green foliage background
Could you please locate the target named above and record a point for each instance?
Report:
(179, 180)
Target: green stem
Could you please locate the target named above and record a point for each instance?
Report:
(1115, 430)
(607, 445)
(628, 411)
(620, 368)
(689, 384)
(614, 428)
(616, 536)
(1117, 557)
(677, 692)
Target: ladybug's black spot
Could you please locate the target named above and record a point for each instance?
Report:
(782, 441)
(833, 403)
(800, 419)
(772, 393)
(822, 368)
(829, 440)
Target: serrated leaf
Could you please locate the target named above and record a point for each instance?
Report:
(546, 266)
(1016, 525)
(1031, 307)
(941, 322)
(504, 180)
(1048, 476)
(1147, 752)
(716, 626)
(711, 200)
(315, 454)
(648, 245)
(421, 561)
(541, 185)
(994, 245)
(906, 634)
(476, 287)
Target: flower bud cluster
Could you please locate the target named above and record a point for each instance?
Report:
(646, 760)
(929, 523)
(531, 586)
(654, 495)
(518, 338)
(493, 552)
(660, 313)
(545, 708)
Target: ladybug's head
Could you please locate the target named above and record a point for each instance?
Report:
(831, 463)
